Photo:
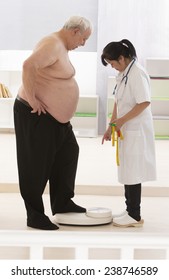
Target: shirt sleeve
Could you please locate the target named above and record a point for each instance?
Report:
(141, 87)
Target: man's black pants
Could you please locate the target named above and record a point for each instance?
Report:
(46, 151)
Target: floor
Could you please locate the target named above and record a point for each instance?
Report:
(96, 167)
(155, 220)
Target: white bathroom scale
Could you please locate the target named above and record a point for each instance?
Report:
(93, 216)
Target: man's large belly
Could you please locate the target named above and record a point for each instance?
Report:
(61, 99)
(61, 105)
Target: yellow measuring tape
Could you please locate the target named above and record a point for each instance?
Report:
(115, 135)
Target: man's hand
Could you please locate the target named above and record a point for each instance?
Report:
(37, 106)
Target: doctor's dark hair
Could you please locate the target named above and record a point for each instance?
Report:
(115, 49)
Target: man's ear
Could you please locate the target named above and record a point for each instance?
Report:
(76, 30)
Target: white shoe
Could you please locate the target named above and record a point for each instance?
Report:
(127, 221)
(120, 214)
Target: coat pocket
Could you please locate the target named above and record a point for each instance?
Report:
(133, 144)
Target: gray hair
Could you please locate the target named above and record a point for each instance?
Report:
(78, 22)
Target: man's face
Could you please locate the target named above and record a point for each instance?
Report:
(79, 38)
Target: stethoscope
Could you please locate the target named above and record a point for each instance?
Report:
(125, 77)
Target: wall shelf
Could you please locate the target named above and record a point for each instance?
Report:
(158, 69)
(85, 121)
(6, 114)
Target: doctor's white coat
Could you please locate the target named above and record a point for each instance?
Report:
(137, 149)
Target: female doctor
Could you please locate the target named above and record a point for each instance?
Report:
(132, 115)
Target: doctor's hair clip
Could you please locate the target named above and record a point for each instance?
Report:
(124, 44)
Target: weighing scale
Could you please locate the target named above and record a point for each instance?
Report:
(93, 216)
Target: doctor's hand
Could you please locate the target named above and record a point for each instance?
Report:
(107, 135)
(119, 123)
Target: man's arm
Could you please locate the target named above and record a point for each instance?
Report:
(43, 56)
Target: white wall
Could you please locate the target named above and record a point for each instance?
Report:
(85, 64)
(144, 22)
(23, 23)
